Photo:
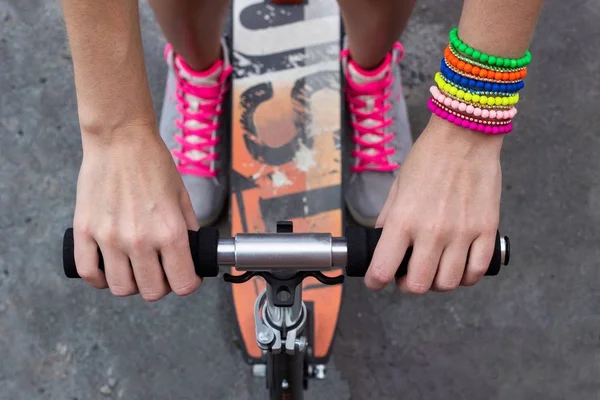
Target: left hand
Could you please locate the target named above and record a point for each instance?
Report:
(445, 203)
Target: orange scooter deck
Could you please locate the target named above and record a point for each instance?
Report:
(286, 147)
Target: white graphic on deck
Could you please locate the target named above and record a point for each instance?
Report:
(304, 158)
(280, 179)
(282, 38)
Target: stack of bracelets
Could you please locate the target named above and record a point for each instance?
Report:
(475, 90)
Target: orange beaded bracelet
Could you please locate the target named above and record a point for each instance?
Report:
(485, 75)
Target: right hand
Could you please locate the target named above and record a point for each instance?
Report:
(132, 204)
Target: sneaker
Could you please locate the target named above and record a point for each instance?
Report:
(192, 125)
(380, 132)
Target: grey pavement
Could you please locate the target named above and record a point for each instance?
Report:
(531, 333)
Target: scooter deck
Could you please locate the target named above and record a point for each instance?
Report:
(286, 145)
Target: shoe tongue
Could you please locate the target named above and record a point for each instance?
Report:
(361, 77)
(209, 77)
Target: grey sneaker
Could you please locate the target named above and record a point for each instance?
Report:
(195, 128)
(380, 132)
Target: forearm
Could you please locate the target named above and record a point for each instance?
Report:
(110, 78)
(500, 28)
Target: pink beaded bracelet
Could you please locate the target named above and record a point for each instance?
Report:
(470, 118)
(474, 126)
(469, 108)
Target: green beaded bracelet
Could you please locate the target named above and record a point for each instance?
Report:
(493, 61)
(466, 59)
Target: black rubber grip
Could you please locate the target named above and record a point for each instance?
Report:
(203, 246)
(361, 245)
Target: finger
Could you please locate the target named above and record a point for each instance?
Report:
(452, 267)
(177, 262)
(480, 256)
(149, 275)
(188, 212)
(387, 256)
(87, 259)
(119, 274)
(386, 206)
(422, 266)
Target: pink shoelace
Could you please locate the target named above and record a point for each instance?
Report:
(369, 104)
(199, 121)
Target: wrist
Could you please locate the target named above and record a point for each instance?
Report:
(474, 96)
(100, 120)
(463, 137)
(100, 133)
(123, 100)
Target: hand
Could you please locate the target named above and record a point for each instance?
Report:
(131, 202)
(445, 203)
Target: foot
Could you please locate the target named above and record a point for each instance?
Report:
(194, 126)
(379, 130)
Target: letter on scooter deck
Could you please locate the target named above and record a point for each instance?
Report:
(286, 146)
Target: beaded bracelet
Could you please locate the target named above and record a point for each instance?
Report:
(480, 71)
(477, 84)
(465, 123)
(469, 108)
(479, 101)
(475, 98)
(490, 76)
(469, 118)
(497, 108)
(482, 74)
(459, 84)
(442, 79)
(450, 48)
(485, 58)
(474, 104)
(475, 90)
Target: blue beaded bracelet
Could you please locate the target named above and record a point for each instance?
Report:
(473, 91)
(477, 84)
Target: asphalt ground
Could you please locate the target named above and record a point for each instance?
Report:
(531, 333)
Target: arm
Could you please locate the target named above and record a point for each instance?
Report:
(446, 199)
(110, 75)
(131, 202)
(502, 28)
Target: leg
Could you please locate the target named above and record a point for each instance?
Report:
(193, 27)
(373, 26)
(194, 108)
(375, 102)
